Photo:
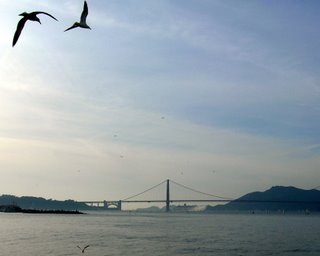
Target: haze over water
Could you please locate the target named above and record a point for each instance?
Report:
(128, 233)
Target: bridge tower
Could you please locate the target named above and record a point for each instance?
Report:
(168, 197)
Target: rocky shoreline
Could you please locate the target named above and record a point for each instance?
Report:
(17, 209)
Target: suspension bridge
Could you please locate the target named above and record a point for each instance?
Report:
(117, 204)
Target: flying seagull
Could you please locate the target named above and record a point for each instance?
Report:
(27, 16)
(82, 250)
(83, 18)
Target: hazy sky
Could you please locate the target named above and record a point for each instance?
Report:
(222, 96)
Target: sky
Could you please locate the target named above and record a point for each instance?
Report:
(221, 96)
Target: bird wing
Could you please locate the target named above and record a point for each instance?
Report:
(73, 26)
(48, 14)
(86, 247)
(84, 13)
(18, 31)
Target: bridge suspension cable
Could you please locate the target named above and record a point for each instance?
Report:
(128, 198)
(200, 192)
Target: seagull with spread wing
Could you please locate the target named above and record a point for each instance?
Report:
(83, 19)
(27, 16)
(82, 250)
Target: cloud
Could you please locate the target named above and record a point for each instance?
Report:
(145, 146)
(235, 98)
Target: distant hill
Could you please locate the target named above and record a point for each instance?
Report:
(173, 208)
(277, 198)
(29, 202)
(151, 209)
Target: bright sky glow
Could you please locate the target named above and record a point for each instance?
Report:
(223, 96)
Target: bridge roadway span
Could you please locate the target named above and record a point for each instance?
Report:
(117, 205)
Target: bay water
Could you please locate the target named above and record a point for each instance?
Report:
(153, 234)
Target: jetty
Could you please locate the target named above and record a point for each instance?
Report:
(17, 209)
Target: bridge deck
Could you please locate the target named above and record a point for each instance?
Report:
(204, 200)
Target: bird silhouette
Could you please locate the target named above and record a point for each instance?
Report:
(83, 249)
(27, 16)
(83, 19)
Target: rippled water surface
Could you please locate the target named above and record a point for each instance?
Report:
(159, 234)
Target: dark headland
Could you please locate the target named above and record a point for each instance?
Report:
(29, 203)
(278, 198)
